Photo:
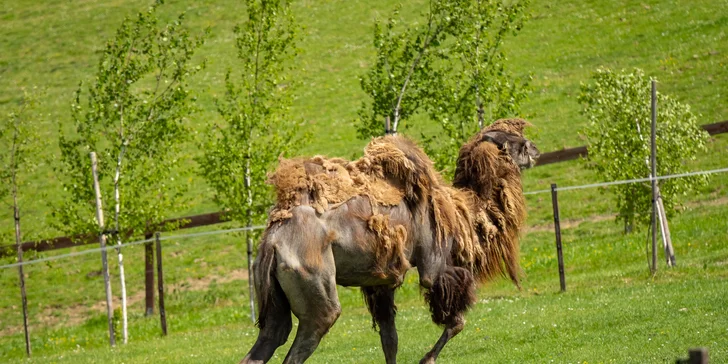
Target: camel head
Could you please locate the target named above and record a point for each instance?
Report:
(507, 135)
(485, 157)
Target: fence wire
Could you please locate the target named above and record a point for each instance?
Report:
(627, 181)
(111, 247)
(232, 230)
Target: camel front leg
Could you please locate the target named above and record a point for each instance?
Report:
(451, 329)
(451, 295)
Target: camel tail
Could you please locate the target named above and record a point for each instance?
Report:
(268, 291)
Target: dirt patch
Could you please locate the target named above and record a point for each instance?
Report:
(54, 316)
(569, 223)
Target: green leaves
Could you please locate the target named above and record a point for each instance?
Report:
(479, 88)
(452, 67)
(256, 128)
(617, 105)
(404, 73)
(138, 99)
(18, 138)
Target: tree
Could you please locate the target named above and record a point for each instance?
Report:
(404, 75)
(256, 129)
(453, 68)
(478, 87)
(132, 115)
(617, 105)
(18, 134)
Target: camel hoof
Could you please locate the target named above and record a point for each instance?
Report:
(427, 360)
(247, 360)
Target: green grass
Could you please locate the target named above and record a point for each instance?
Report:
(612, 312)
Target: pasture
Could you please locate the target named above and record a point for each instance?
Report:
(613, 310)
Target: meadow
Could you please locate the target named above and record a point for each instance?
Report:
(613, 310)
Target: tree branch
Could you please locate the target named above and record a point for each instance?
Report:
(425, 44)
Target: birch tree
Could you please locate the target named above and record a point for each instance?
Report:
(18, 135)
(256, 128)
(132, 115)
(479, 87)
(404, 74)
(617, 106)
(450, 66)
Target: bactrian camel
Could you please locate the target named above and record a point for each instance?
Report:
(364, 223)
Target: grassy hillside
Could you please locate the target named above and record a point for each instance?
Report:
(55, 46)
(613, 311)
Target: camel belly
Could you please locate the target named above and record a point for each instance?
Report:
(356, 267)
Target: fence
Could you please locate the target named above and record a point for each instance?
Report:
(557, 215)
(141, 255)
(184, 273)
(73, 293)
(582, 151)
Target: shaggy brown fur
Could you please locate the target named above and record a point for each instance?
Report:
(364, 223)
(482, 213)
(452, 294)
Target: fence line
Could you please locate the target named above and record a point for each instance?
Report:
(138, 242)
(215, 232)
(565, 155)
(645, 179)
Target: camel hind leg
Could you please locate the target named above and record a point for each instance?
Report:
(275, 331)
(380, 302)
(314, 300)
(306, 272)
(274, 311)
(451, 295)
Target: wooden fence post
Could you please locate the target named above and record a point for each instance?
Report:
(148, 275)
(102, 242)
(653, 174)
(665, 230)
(160, 284)
(695, 356)
(557, 230)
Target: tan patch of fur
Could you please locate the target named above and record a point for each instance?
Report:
(389, 246)
(513, 126)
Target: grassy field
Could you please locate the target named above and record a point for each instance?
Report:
(613, 310)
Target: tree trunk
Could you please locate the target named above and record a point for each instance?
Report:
(125, 327)
(18, 241)
(249, 237)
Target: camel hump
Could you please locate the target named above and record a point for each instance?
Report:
(400, 161)
(392, 168)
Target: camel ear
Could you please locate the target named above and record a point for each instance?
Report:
(506, 147)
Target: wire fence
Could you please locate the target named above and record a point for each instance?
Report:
(72, 291)
(627, 181)
(67, 290)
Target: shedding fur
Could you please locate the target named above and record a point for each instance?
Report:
(452, 294)
(481, 213)
(389, 246)
(379, 215)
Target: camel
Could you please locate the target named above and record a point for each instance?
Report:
(365, 223)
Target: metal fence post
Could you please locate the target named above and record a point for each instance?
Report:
(557, 230)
